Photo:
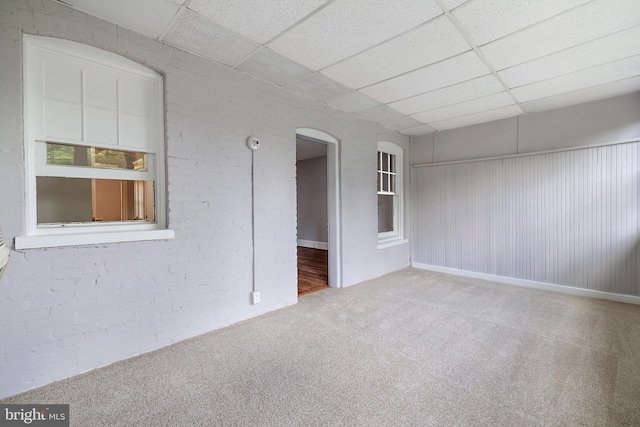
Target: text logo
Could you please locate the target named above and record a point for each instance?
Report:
(34, 415)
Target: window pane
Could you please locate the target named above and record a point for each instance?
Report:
(385, 162)
(64, 200)
(385, 213)
(392, 187)
(392, 163)
(70, 155)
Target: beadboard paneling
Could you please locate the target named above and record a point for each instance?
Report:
(567, 218)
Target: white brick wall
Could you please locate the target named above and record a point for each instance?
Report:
(68, 310)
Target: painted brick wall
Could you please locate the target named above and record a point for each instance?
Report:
(68, 310)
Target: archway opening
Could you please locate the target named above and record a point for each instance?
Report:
(319, 231)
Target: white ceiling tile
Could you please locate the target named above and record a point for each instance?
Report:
(417, 130)
(436, 40)
(601, 74)
(478, 105)
(345, 28)
(318, 86)
(273, 67)
(133, 15)
(259, 20)
(452, 4)
(195, 33)
(471, 89)
(487, 20)
(607, 49)
(450, 71)
(379, 113)
(180, 2)
(607, 90)
(403, 122)
(351, 102)
(473, 119)
(582, 24)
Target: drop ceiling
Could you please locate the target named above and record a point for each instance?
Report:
(415, 66)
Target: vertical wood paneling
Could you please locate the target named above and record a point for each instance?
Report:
(568, 218)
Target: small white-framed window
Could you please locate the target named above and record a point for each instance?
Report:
(390, 194)
(94, 147)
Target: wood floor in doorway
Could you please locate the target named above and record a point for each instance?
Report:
(313, 270)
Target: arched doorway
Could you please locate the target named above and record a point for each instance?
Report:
(333, 200)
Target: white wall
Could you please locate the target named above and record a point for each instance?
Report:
(64, 311)
(597, 122)
(311, 179)
(564, 218)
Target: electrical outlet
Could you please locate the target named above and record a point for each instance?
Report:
(255, 297)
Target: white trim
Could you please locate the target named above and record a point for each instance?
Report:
(313, 244)
(51, 241)
(389, 238)
(333, 202)
(94, 173)
(532, 153)
(382, 244)
(316, 134)
(122, 69)
(629, 299)
(78, 51)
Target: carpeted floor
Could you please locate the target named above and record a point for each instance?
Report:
(413, 348)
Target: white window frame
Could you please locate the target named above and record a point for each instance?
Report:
(396, 236)
(101, 63)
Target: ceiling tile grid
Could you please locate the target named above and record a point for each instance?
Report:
(452, 4)
(318, 86)
(194, 33)
(271, 66)
(258, 20)
(465, 91)
(404, 122)
(445, 73)
(488, 20)
(379, 114)
(482, 117)
(491, 102)
(607, 90)
(132, 14)
(345, 28)
(432, 42)
(606, 73)
(352, 102)
(601, 51)
(588, 22)
(445, 63)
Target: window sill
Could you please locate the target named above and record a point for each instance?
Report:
(52, 241)
(387, 243)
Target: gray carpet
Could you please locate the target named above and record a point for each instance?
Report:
(412, 348)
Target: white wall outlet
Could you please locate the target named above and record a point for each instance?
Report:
(255, 297)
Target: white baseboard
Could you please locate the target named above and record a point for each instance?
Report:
(312, 244)
(629, 299)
